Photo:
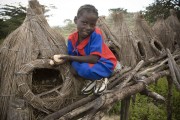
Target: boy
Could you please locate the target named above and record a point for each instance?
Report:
(90, 57)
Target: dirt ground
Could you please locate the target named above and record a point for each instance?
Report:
(113, 117)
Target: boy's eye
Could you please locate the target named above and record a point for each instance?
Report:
(84, 22)
(92, 25)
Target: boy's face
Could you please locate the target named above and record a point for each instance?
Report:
(86, 24)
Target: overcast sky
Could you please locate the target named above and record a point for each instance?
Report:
(67, 9)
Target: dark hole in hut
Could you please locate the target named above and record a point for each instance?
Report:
(176, 44)
(45, 79)
(141, 49)
(114, 52)
(158, 45)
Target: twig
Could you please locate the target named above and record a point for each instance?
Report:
(173, 75)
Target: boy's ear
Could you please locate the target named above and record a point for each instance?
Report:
(75, 19)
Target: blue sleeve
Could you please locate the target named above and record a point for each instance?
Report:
(70, 47)
(96, 44)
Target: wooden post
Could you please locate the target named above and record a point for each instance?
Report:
(169, 97)
(125, 104)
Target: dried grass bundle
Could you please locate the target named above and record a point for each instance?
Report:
(109, 38)
(127, 52)
(164, 33)
(26, 51)
(152, 45)
(174, 23)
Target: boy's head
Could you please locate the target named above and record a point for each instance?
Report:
(85, 20)
(87, 8)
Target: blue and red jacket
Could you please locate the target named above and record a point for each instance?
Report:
(92, 45)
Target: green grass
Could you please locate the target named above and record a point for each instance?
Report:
(146, 108)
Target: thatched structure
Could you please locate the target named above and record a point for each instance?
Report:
(164, 33)
(174, 23)
(32, 89)
(24, 61)
(146, 35)
(127, 54)
(110, 39)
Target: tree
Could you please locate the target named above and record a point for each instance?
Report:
(11, 17)
(160, 7)
(118, 10)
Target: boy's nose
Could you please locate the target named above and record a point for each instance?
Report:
(88, 26)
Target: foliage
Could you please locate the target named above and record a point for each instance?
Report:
(11, 17)
(67, 29)
(112, 10)
(161, 7)
(176, 104)
(115, 110)
(145, 108)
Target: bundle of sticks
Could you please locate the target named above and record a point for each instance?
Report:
(122, 84)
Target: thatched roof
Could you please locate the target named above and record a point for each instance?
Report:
(109, 37)
(174, 23)
(23, 54)
(150, 41)
(164, 33)
(127, 52)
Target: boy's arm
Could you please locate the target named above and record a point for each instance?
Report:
(88, 59)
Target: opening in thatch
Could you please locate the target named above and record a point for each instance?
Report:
(143, 31)
(45, 79)
(157, 46)
(141, 49)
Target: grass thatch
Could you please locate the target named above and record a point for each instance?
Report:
(153, 47)
(164, 33)
(127, 52)
(108, 36)
(174, 23)
(28, 48)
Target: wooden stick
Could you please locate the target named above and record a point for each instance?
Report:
(153, 95)
(169, 99)
(69, 108)
(29, 67)
(119, 93)
(105, 100)
(125, 104)
(77, 111)
(175, 66)
(135, 70)
(151, 69)
(173, 75)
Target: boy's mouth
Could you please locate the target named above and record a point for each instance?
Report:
(85, 33)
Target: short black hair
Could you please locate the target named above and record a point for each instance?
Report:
(88, 8)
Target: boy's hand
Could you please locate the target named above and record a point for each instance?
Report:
(58, 59)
